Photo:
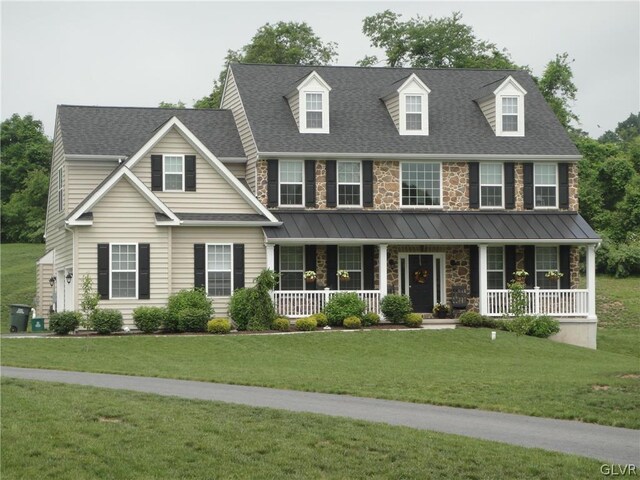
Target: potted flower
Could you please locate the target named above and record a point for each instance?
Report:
(309, 276)
(343, 275)
(520, 275)
(441, 310)
(554, 275)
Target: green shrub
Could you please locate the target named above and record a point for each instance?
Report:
(194, 299)
(281, 324)
(500, 324)
(370, 319)
(352, 323)
(149, 319)
(306, 324)
(193, 320)
(219, 326)
(519, 325)
(64, 322)
(241, 308)
(396, 307)
(321, 319)
(543, 327)
(413, 320)
(343, 305)
(475, 320)
(252, 308)
(105, 321)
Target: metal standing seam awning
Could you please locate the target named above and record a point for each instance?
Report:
(375, 227)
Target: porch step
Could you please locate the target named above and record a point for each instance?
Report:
(428, 319)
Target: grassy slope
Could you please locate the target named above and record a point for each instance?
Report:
(61, 431)
(17, 276)
(618, 308)
(453, 367)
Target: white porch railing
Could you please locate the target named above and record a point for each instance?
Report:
(302, 303)
(556, 303)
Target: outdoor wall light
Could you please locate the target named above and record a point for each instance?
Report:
(52, 281)
(69, 277)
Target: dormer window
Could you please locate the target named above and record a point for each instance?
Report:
(413, 112)
(408, 106)
(508, 117)
(509, 114)
(309, 103)
(314, 110)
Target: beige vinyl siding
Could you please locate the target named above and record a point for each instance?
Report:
(393, 106)
(294, 104)
(488, 107)
(213, 193)
(238, 169)
(44, 291)
(124, 216)
(182, 255)
(84, 177)
(233, 102)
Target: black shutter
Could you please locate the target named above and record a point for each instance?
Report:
(509, 186)
(156, 173)
(509, 263)
(530, 265)
(367, 183)
(190, 173)
(368, 267)
(276, 261)
(528, 185)
(563, 183)
(310, 183)
(474, 185)
(474, 261)
(332, 193)
(565, 266)
(103, 270)
(310, 263)
(199, 265)
(238, 265)
(272, 183)
(332, 267)
(144, 267)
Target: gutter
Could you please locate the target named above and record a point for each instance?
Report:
(419, 156)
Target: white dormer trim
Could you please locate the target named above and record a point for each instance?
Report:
(313, 84)
(510, 89)
(413, 87)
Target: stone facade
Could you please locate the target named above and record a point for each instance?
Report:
(455, 186)
(386, 186)
(573, 187)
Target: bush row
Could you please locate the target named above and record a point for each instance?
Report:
(540, 326)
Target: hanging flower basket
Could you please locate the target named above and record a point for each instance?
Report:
(309, 276)
(421, 275)
(520, 276)
(554, 275)
(343, 275)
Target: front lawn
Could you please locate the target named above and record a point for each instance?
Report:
(460, 367)
(618, 309)
(64, 431)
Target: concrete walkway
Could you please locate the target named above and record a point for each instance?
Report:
(608, 444)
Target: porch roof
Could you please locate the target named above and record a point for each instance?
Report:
(375, 227)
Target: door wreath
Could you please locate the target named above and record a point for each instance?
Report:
(420, 275)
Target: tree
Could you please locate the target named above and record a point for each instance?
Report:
(282, 43)
(431, 43)
(23, 216)
(179, 104)
(558, 89)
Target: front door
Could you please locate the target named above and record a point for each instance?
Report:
(421, 275)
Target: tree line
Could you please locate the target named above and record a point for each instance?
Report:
(609, 171)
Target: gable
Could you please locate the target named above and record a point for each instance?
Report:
(124, 205)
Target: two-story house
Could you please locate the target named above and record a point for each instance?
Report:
(415, 181)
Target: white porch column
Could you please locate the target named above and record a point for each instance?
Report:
(271, 256)
(482, 277)
(382, 269)
(591, 281)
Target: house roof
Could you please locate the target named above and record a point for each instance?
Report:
(431, 227)
(88, 130)
(360, 122)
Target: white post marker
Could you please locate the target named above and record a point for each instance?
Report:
(493, 335)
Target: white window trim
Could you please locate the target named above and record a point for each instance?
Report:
(206, 276)
(557, 186)
(494, 270)
(280, 183)
(520, 105)
(361, 271)
(501, 185)
(60, 190)
(535, 278)
(303, 111)
(111, 297)
(421, 207)
(424, 104)
(164, 173)
(304, 266)
(338, 183)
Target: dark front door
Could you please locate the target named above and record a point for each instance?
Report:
(421, 282)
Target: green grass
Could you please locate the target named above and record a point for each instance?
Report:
(618, 309)
(62, 431)
(460, 367)
(17, 276)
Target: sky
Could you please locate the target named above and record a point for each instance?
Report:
(142, 53)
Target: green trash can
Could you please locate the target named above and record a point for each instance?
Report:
(19, 317)
(37, 324)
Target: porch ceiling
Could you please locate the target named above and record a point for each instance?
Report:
(431, 227)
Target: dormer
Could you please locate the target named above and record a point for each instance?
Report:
(503, 107)
(409, 107)
(309, 103)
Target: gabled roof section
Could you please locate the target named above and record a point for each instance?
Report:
(510, 82)
(309, 79)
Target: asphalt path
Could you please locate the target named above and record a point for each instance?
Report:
(608, 444)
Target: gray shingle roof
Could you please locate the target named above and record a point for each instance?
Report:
(123, 130)
(360, 123)
(222, 217)
(445, 226)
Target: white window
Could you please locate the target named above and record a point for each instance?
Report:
(546, 260)
(291, 268)
(491, 185)
(349, 176)
(495, 268)
(124, 270)
(350, 259)
(545, 185)
(219, 265)
(314, 110)
(509, 114)
(421, 184)
(60, 190)
(413, 112)
(291, 182)
(413, 107)
(173, 172)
